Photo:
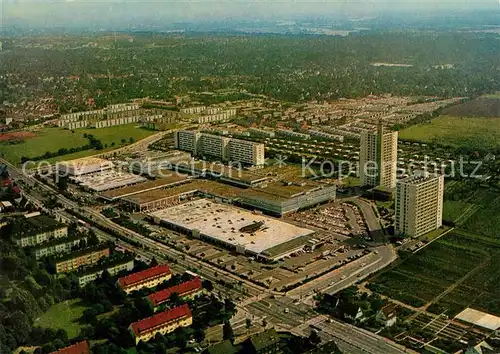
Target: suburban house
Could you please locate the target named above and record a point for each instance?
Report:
(387, 315)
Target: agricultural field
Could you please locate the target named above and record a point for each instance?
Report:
(480, 290)
(486, 220)
(472, 275)
(64, 315)
(53, 139)
(454, 210)
(419, 279)
(457, 131)
(464, 199)
(487, 106)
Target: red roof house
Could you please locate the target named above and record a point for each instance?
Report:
(77, 348)
(160, 320)
(144, 276)
(183, 289)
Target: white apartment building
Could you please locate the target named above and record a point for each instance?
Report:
(291, 133)
(246, 152)
(187, 140)
(261, 132)
(378, 158)
(116, 121)
(58, 246)
(37, 230)
(213, 145)
(193, 110)
(419, 204)
(113, 269)
(216, 117)
(324, 135)
(76, 125)
(223, 148)
(213, 110)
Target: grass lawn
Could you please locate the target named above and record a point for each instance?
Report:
(492, 95)
(352, 181)
(53, 139)
(434, 234)
(63, 315)
(387, 204)
(480, 132)
(80, 154)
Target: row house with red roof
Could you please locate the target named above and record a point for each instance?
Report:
(77, 348)
(162, 322)
(148, 278)
(188, 289)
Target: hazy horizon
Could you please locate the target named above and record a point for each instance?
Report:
(93, 13)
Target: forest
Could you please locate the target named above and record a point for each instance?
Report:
(293, 68)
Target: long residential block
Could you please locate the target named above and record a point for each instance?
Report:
(113, 268)
(163, 322)
(75, 260)
(148, 278)
(220, 147)
(187, 289)
(36, 230)
(58, 246)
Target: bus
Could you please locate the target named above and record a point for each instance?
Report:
(193, 274)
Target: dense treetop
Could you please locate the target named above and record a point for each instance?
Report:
(294, 67)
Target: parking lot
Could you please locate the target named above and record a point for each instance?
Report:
(339, 218)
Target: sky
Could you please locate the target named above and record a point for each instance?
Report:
(100, 12)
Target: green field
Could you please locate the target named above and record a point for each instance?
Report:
(63, 315)
(486, 220)
(53, 139)
(466, 201)
(471, 274)
(495, 95)
(454, 131)
(419, 279)
(453, 210)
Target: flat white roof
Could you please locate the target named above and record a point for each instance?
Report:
(106, 180)
(85, 161)
(479, 318)
(223, 222)
(84, 165)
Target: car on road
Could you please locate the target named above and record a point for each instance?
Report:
(343, 277)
